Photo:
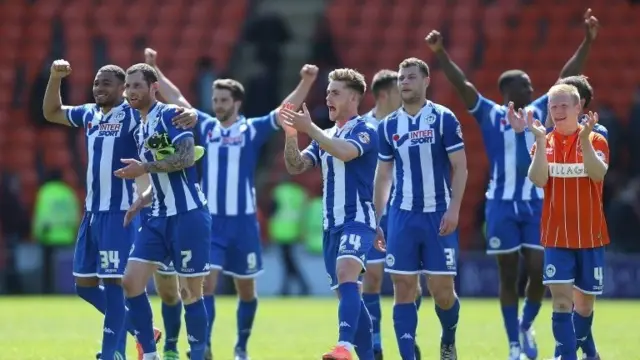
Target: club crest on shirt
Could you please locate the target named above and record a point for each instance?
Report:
(601, 155)
(364, 137)
(431, 119)
(119, 116)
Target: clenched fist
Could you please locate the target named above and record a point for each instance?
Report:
(60, 69)
(309, 72)
(150, 56)
(434, 40)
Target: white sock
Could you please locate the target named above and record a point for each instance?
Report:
(150, 356)
(348, 345)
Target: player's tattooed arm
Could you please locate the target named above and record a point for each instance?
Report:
(182, 158)
(294, 161)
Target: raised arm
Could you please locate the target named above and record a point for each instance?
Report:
(454, 74)
(576, 63)
(308, 75)
(168, 90)
(52, 107)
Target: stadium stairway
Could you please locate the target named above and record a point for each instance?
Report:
(181, 30)
(541, 36)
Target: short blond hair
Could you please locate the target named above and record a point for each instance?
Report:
(351, 78)
(565, 89)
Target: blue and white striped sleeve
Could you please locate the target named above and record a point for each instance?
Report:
(385, 150)
(451, 132)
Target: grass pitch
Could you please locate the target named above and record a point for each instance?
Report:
(66, 328)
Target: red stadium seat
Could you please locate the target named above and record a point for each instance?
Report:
(56, 158)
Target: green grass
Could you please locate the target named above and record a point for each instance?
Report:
(65, 328)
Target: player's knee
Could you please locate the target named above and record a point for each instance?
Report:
(246, 289)
(562, 297)
(583, 303)
(507, 268)
(191, 289)
(167, 288)
(373, 279)
(534, 264)
(404, 288)
(131, 286)
(348, 270)
(441, 288)
(169, 296)
(211, 282)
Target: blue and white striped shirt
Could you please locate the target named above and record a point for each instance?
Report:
(109, 138)
(230, 161)
(347, 192)
(175, 192)
(500, 144)
(419, 146)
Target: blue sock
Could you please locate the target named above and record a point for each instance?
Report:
(95, 296)
(449, 322)
(582, 326)
(210, 305)
(172, 319)
(122, 343)
(589, 346)
(114, 319)
(363, 340)
(418, 301)
(245, 315)
(405, 323)
(348, 311)
(372, 302)
(142, 318)
(529, 312)
(564, 335)
(510, 318)
(195, 317)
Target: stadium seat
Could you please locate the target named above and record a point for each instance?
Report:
(56, 158)
(50, 138)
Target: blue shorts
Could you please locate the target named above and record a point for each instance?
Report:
(235, 245)
(183, 239)
(143, 216)
(351, 240)
(102, 245)
(584, 268)
(376, 256)
(512, 225)
(414, 245)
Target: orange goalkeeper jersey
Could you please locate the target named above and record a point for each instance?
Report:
(572, 213)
